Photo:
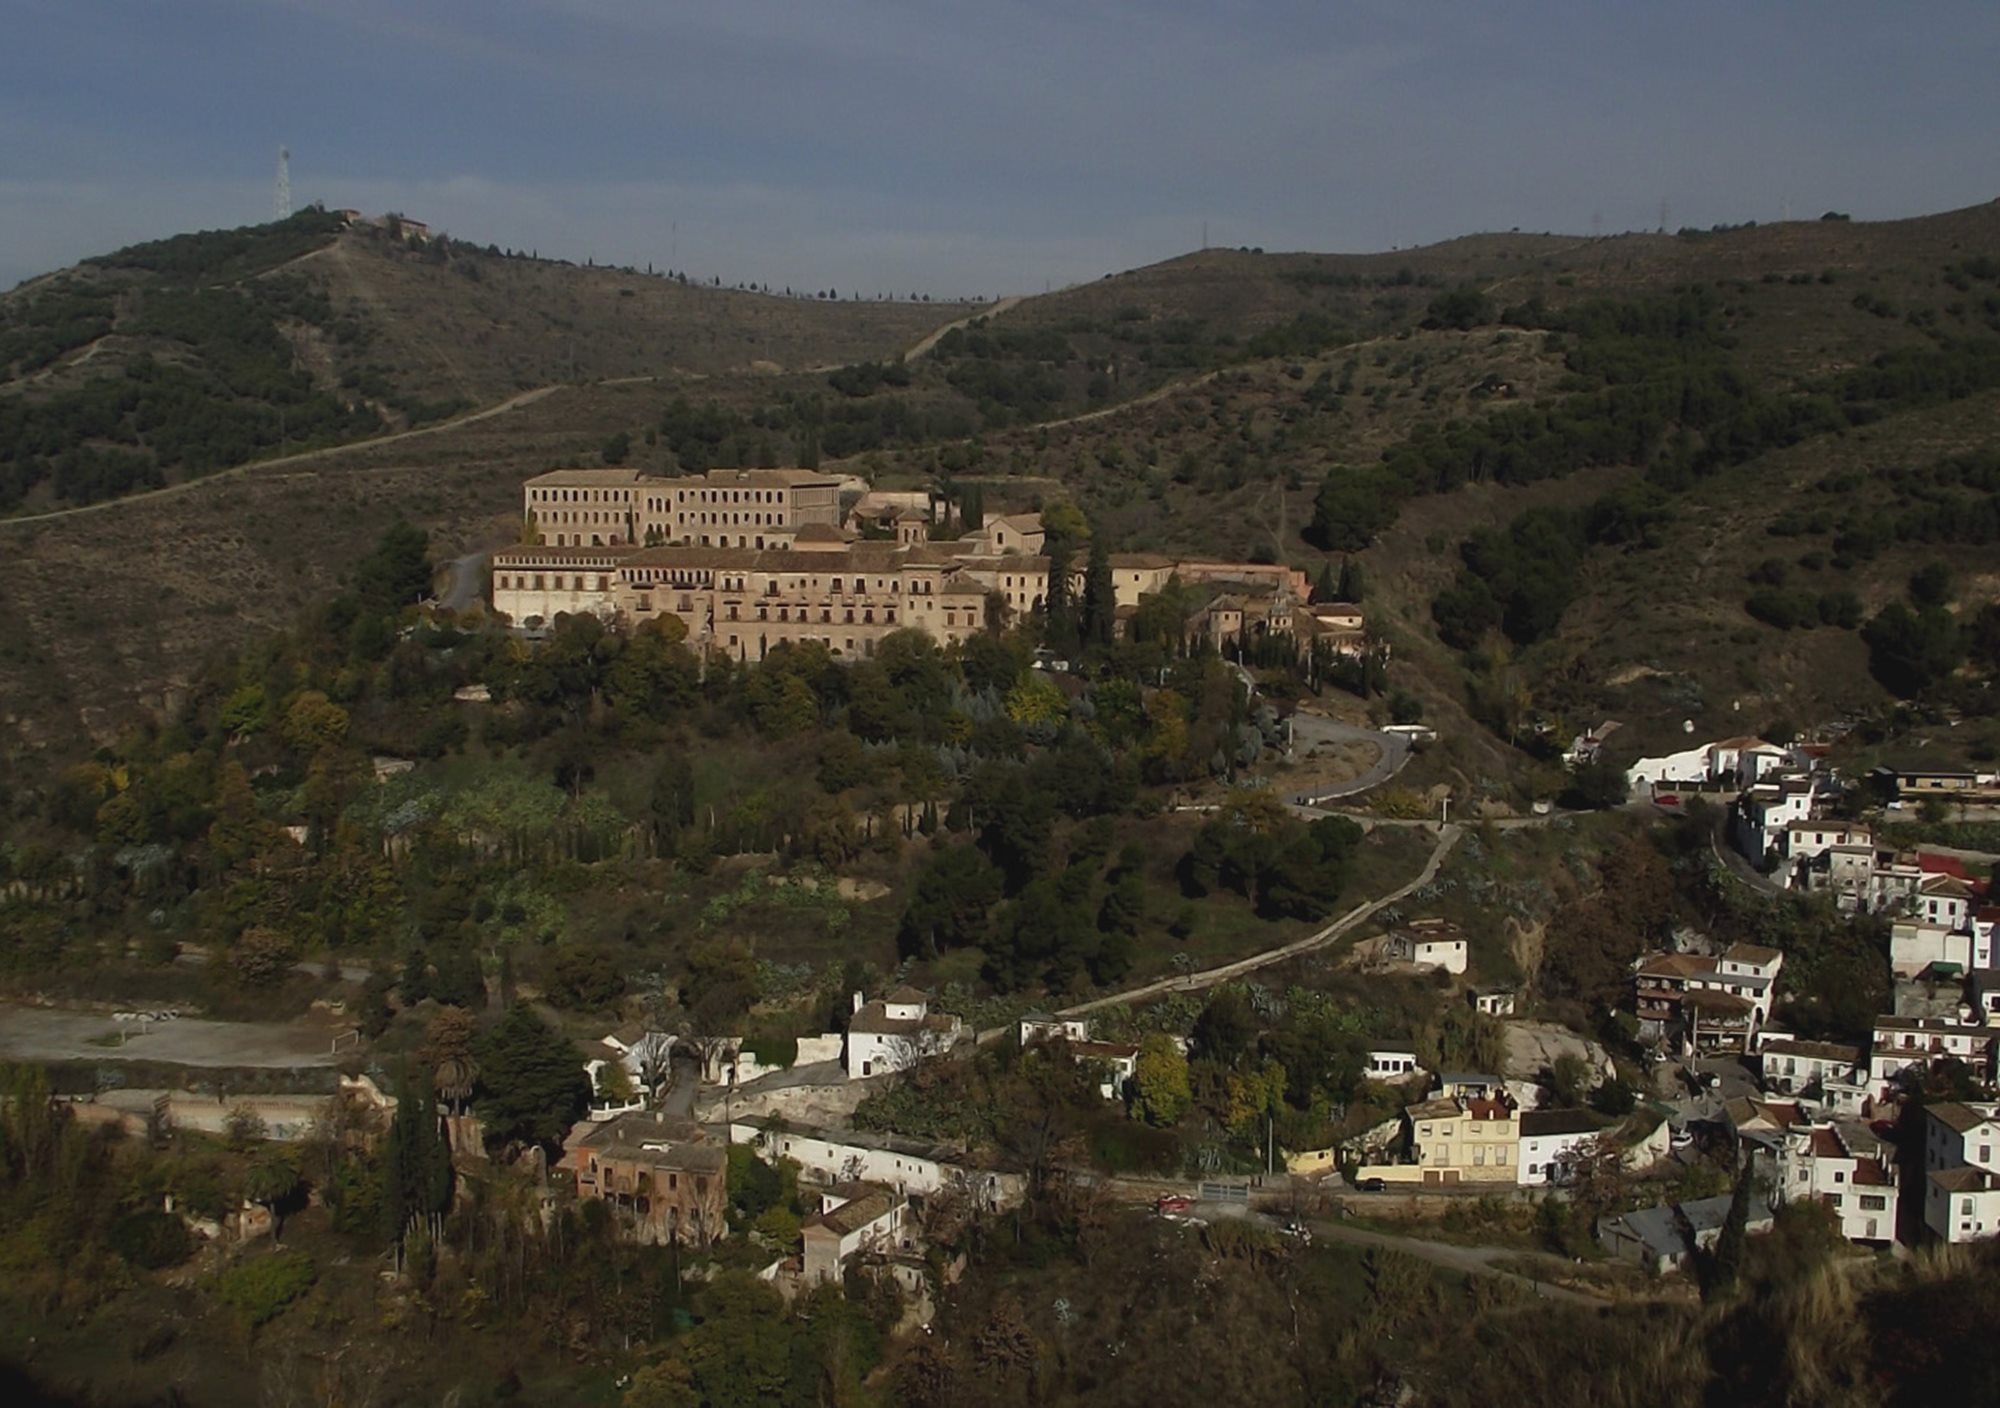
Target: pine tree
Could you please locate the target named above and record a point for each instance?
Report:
(416, 1165)
(1323, 589)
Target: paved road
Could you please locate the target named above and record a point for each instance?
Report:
(1316, 730)
(1447, 838)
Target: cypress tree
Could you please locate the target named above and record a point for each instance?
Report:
(1100, 596)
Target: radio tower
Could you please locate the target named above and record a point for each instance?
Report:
(284, 194)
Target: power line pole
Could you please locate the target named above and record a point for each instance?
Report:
(282, 198)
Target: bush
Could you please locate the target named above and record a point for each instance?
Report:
(151, 1239)
(260, 1288)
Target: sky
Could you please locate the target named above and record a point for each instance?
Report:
(966, 149)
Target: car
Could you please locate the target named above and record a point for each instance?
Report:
(1371, 1185)
(1682, 1139)
(1169, 1204)
(1298, 1231)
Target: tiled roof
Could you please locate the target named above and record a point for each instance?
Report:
(1534, 1122)
(1751, 953)
(1814, 1051)
(1964, 1179)
(1958, 1116)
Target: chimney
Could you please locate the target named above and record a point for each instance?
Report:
(857, 1002)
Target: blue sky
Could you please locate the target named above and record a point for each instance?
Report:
(964, 148)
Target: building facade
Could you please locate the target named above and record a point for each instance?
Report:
(662, 1178)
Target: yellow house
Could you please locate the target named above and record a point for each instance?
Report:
(1456, 1141)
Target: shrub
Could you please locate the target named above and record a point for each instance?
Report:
(258, 1289)
(151, 1239)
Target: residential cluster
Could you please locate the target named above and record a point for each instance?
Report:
(1821, 1121)
(749, 559)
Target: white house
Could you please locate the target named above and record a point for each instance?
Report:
(1039, 1026)
(1844, 1166)
(854, 1218)
(1945, 900)
(1766, 812)
(1494, 1002)
(913, 1167)
(1392, 1061)
(895, 1033)
(1916, 945)
(1826, 1074)
(1812, 837)
(1913, 1043)
(1428, 943)
(1747, 760)
(1962, 1171)
(1550, 1140)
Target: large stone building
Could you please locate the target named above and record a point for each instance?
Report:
(735, 508)
(750, 559)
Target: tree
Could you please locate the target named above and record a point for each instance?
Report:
(535, 1085)
(1099, 616)
(1161, 1093)
(1352, 587)
(950, 903)
(1909, 651)
(416, 1165)
(397, 573)
(1226, 1028)
(617, 448)
(1058, 613)
(313, 722)
(270, 1183)
(261, 958)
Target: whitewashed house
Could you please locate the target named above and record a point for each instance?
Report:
(895, 1032)
(913, 1167)
(1842, 1165)
(1550, 1141)
(1428, 943)
(1962, 1171)
(854, 1219)
(1915, 1043)
(1392, 1061)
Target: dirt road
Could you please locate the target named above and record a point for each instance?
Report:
(525, 398)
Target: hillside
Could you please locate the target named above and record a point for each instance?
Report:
(1203, 403)
(170, 360)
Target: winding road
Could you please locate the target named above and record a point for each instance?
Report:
(1315, 730)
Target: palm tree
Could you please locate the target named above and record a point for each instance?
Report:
(268, 1183)
(454, 1079)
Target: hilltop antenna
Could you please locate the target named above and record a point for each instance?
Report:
(283, 199)
(1663, 217)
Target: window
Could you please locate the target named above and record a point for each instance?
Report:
(1873, 1202)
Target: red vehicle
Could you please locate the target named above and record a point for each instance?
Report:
(1170, 1204)
(1667, 799)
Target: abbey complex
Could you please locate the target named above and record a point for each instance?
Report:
(749, 558)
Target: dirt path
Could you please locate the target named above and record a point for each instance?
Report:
(1470, 1261)
(524, 398)
(924, 344)
(1207, 978)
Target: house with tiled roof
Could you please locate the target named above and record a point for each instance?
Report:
(1916, 1043)
(1843, 1165)
(1830, 1076)
(662, 1177)
(1454, 1139)
(854, 1219)
(1961, 1171)
(895, 1032)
